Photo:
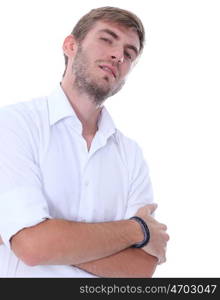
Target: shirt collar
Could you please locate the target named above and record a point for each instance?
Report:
(106, 126)
(60, 108)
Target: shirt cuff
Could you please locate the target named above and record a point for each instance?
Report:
(23, 207)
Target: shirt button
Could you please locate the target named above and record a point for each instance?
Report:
(86, 183)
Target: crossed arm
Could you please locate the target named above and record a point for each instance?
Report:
(102, 249)
(127, 263)
(130, 262)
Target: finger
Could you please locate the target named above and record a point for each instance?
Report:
(163, 226)
(161, 260)
(167, 237)
(152, 207)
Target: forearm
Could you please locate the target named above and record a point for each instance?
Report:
(130, 262)
(69, 243)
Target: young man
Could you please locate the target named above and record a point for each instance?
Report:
(70, 181)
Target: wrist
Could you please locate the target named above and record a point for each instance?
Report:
(145, 232)
(137, 232)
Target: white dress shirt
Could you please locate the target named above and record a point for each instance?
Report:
(46, 171)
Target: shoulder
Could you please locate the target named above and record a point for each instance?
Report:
(130, 150)
(24, 126)
(27, 114)
(129, 146)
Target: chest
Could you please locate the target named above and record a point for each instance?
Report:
(82, 186)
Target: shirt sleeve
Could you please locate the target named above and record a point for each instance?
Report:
(22, 200)
(140, 188)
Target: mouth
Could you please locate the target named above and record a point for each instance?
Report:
(108, 69)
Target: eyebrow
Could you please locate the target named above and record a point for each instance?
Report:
(116, 37)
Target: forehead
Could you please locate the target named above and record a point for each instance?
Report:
(125, 34)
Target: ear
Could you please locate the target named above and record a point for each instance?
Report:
(70, 46)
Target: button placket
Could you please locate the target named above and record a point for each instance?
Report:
(83, 205)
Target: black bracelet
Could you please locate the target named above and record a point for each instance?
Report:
(145, 230)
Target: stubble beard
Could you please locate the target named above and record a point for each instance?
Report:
(85, 84)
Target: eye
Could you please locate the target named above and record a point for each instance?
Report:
(128, 55)
(106, 40)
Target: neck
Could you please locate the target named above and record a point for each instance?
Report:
(86, 110)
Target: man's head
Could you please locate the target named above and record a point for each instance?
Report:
(101, 50)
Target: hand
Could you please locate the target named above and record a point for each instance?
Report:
(158, 236)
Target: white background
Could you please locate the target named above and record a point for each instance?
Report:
(170, 106)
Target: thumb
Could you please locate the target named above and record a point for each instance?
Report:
(152, 207)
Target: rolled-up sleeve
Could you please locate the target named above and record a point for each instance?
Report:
(22, 200)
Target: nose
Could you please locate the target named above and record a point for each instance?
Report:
(119, 60)
(117, 55)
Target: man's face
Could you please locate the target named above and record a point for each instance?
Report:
(103, 60)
